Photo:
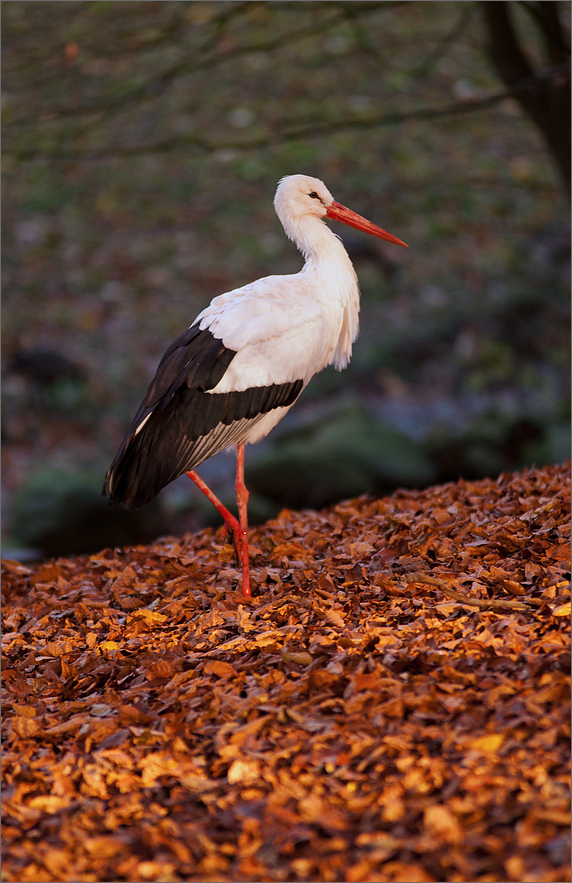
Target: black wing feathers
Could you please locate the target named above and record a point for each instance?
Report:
(194, 426)
(179, 423)
(196, 358)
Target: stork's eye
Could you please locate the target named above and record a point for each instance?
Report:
(314, 195)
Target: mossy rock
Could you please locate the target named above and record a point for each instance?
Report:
(346, 454)
(62, 513)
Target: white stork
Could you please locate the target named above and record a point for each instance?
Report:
(231, 376)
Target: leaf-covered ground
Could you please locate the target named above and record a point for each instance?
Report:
(353, 721)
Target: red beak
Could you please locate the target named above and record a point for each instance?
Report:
(339, 212)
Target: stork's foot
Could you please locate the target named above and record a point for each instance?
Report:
(230, 536)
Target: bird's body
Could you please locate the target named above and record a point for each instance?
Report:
(236, 371)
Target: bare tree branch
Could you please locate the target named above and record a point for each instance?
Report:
(212, 57)
(426, 65)
(286, 131)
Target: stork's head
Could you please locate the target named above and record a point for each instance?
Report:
(299, 197)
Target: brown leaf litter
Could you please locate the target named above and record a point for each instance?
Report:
(359, 719)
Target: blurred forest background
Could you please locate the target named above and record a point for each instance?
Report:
(142, 146)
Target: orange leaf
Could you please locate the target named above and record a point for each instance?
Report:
(488, 744)
(220, 668)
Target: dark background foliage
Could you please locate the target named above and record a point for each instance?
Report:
(142, 145)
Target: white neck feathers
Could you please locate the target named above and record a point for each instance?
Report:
(328, 262)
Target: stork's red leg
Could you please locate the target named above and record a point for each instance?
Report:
(238, 528)
(242, 500)
(229, 518)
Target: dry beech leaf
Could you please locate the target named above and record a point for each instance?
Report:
(243, 771)
(104, 846)
(163, 668)
(335, 618)
(299, 657)
(24, 727)
(48, 803)
(25, 710)
(442, 824)
(294, 551)
(513, 587)
(220, 668)
(149, 616)
(562, 610)
(15, 568)
(487, 744)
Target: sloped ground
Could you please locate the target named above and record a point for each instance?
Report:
(354, 721)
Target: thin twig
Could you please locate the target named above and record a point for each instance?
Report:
(483, 604)
(190, 64)
(444, 44)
